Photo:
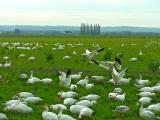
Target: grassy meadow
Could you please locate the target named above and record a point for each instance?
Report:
(50, 61)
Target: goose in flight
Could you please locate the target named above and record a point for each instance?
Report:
(90, 54)
(108, 65)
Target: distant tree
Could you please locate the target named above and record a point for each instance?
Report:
(91, 31)
(16, 31)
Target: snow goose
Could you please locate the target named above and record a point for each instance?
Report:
(69, 101)
(89, 86)
(108, 65)
(90, 54)
(117, 76)
(33, 100)
(66, 57)
(120, 97)
(47, 80)
(22, 55)
(154, 108)
(140, 53)
(23, 76)
(145, 113)
(11, 102)
(91, 97)
(76, 76)
(117, 90)
(65, 79)
(74, 52)
(49, 115)
(58, 107)
(145, 100)
(7, 64)
(122, 109)
(87, 112)
(156, 88)
(25, 94)
(86, 103)
(125, 80)
(18, 107)
(146, 94)
(3, 116)
(147, 89)
(112, 95)
(31, 59)
(64, 116)
(73, 87)
(32, 79)
(97, 78)
(69, 94)
(134, 59)
(76, 109)
(83, 82)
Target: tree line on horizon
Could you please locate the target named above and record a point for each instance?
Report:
(89, 29)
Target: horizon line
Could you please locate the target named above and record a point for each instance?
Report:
(76, 25)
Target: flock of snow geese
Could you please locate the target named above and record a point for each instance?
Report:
(82, 106)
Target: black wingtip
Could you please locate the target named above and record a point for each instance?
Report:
(68, 72)
(101, 49)
(127, 69)
(118, 60)
(95, 62)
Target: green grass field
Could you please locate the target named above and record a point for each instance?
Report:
(44, 68)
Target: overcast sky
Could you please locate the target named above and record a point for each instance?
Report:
(73, 12)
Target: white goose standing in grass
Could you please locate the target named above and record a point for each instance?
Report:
(58, 107)
(112, 95)
(76, 76)
(62, 116)
(86, 112)
(122, 109)
(3, 116)
(25, 94)
(146, 89)
(74, 52)
(7, 64)
(89, 86)
(31, 59)
(32, 79)
(48, 115)
(154, 108)
(97, 78)
(147, 114)
(33, 100)
(142, 82)
(65, 79)
(90, 97)
(118, 90)
(145, 100)
(83, 82)
(76, 109)
(120, 97)
(66, 57)
(69, 101)
(11, 102)
(46, 80)
(86, 103)
(23, 76)
(146, 94)
(18, 107)
(73, 87)
(69, 94)
(140, 53)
